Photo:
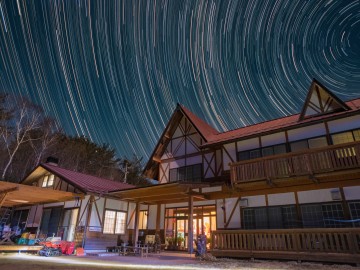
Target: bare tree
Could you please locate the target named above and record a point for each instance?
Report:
(25, 119)
(48, 136)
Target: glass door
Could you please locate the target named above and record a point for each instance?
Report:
(182, 233)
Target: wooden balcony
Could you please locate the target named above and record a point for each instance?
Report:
(336, 158)
(331, 245)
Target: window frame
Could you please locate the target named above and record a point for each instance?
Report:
(114, 222)
(250, 222)
(45, 181)
(355, 137)
(307, 141)
(259, 152)
(182, 173)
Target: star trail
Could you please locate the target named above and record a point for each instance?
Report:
(114, 70)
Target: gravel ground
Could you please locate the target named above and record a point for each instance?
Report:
(172, 261)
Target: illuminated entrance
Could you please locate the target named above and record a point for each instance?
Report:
(176, 225)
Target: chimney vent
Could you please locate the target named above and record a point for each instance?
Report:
(52, 161)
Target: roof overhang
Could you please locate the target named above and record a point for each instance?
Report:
(163, 193)
(12, 194)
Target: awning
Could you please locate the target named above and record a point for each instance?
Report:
(163, 193)
(12, 194)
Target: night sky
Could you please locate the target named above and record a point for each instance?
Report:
(114, 71)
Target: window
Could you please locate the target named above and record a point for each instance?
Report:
(48, 181)
(299, 145)
(354, 208)
(114, 222)
(356, 135)
(344, 137)
(275, 217)
(322, 215)
(312, 216)
(188, 173)
(143, 220)
(262, 152)
(317, 142)
(333, 215)
(274, 150)
(308, 144)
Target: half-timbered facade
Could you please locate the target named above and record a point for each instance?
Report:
(299, 171)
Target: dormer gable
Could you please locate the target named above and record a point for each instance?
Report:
(321, 101)
(183, 123)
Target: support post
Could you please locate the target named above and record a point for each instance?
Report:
(136, 225)
(191, 229)
(158, 215)
(90, 203)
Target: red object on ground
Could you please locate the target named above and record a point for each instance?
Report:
(63, 246)
(70, 248)
(79, 251)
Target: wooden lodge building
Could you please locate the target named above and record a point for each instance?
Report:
(285, 188)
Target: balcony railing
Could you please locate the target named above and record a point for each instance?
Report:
(310, 162)
(300, 244)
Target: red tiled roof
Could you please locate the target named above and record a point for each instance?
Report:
(85, 182)
(202, 127)
(273, 125)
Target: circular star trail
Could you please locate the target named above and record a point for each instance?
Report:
(113, 71)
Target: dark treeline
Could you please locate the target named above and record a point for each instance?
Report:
(28, 137)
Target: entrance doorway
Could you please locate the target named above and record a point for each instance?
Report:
(176, 225)
(50, 221)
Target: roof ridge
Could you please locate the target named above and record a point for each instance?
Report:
(279, 118)
(86, 182)
(205, 129)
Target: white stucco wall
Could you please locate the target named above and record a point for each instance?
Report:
(344, 124)
(306, 132)
(256, 201)
(229, 155)
(352, 193)
(248, 144)
(315, 196)
(234, 223)
(94, 219)
(281, 199)
(273, 139)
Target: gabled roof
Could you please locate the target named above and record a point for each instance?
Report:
(280, 123)
(320, 101)
(84, 182)
(204, 129)
(320, 104)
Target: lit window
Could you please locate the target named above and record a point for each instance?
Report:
(357, 135)
(345, 137)
(114, 222)
(48, 180)
(143, 220)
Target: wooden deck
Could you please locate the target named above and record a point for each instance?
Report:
(330, 159)
(327, 245)
(17, 248)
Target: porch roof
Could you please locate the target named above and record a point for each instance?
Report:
(12, 194)
(163, 193)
